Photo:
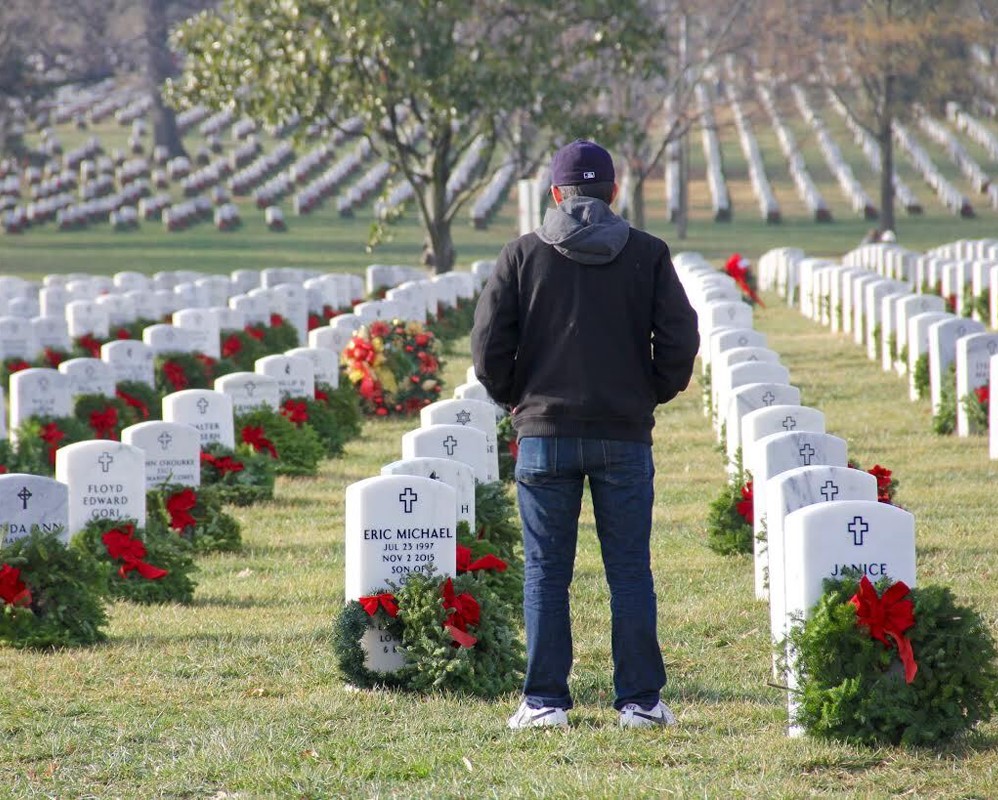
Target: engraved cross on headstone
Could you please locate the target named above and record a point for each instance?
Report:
(807, 453)
(165, 439)
(450, 445)
(202, 406)
(768, 399)
(857, 528)
(829, 491)
(24, 496)
(789, 423)
(250, 388)
(407, 499)
(105, 461)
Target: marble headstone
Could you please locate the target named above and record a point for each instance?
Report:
(106, 480)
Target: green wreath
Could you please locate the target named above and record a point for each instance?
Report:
(729, 519)
(176, 371)
(944, 418)
(348, 631)
(38, 438)
(151, 550)
(104, 416)
(852, 688)
(196, 516)
(345, 404)
(298, 449)
(143, 402)
(64, 605)
(239, 479)
(496, 518)
(508, 449)
(321, 418)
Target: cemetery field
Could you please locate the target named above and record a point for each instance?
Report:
(238, 695)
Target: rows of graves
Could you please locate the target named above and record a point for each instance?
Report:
(134, 480)
(928, 317)
(864, 654)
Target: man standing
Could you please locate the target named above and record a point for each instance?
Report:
(582, 330)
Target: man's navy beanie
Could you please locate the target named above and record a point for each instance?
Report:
(581, 162)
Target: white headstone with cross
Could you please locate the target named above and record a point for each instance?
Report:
(907, 308)
(106, 480)
(943, 336)
(17, 339)
(88, 376)
(172, 452)
(973, 370)
(87, 316)
(295, 375)
(129, 360)
(31, 500)
(201, 325)
(249, 391)
(51, 332)
(742, 374)
(38, 392)
(325, 363)
(751, 397)
(207, 411)
(395, 526)
(294, 301)
(472, 414)
(456, 474)
(458, 442)
(162, 338)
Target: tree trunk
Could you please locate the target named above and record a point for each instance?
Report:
(636, 200)
(887, 158)
(441, 253)
(159, 66)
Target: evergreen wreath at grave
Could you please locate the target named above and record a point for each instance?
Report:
(86, 346)
(453, 322)
(887, 484)
(705, 390)
(196, 516)
(320, 417)
(318, 320)
(921, 380)
(455, 633)
(178, 371)
(104, 416)
(9, 460)
(240, 479)
(279, 336)
(240, 350)
(977, 404)
(296, 451)
(730, 518)
(509, 449)
(50, 595)
(344, 402)
(52, 357)
(146, 565)
(480, 559)
(981, 304)
(143, 403)
(9, 366)
(496, 518)
(39, 437)
(394, 367)
(944, 419)
(856, 682)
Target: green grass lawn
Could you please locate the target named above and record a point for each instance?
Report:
(239, 696)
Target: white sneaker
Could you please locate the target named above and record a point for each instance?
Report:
(527, 717)
(634, 716)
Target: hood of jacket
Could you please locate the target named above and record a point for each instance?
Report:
(585, 230)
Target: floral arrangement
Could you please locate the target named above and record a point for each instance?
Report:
(888, 665)
(296, 450)
(196, 516)
(50, 595)
(148, 565)
(738, 268)
(241, 479)
(394, 367)
(455, 634)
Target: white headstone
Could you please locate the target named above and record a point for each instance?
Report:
(295, 375)
(918, 343)
(472, 414)
(325, 363)
(163, 338)
(27, 500)
(106, 480)
(87, 316)
(129, 360)
(172, 452)
(88, 376)
(294, 300)
(750, 397)
(459, 476)
(51, 332)
(943, 336)
(249, 390)
(39, 392)
(210, 412)
(201, 326)
(17, 339)
(973, 369)
(458, 442)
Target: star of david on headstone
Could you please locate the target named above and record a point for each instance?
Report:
(768, 399)
(789, 423)
(165, 439)
(829, 490)
(806, 453)
(857, 528)
(450, 445)
(202, 405)
(24, 496)
(105, 461)
(408, 499)
(463, 417)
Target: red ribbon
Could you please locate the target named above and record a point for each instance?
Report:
(883, 476)
(223, 464)
(321, 396)
(13, 590)
(132, 401)
(889, 615)
(123, 333)
(174, 373)
(103, 423)
(276, 320)
(983, 394)
(53, 357)
(735, 269)
(121, 546)
(745, 506)
(231, 346)
(385, 600)
(295, 411)
(463, 611)
(256, 333)
(90, 344)
(314, 321)
(253, 436)
(486, 562)
(179, 506)
(16, 365)
(52, 435)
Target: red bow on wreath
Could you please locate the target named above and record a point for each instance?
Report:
(121, 546)
(13, 590)
(486, 562)
(231, 346)
(174, 373)
(385, 600)
(321, 396)
(179, 505)
(746, 506)
(253, 436)
(90, 344)
(51, 435)
(889, 615)
(104, 422)
(737, 268)
(133, 402)
(222, 463)
(295, 411)
(464, 611)
(983, 394)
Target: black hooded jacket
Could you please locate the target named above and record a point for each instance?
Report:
(584, 327)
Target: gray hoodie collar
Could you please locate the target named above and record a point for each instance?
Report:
(585, 230)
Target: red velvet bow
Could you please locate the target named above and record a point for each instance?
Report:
(276, 320)
(983, 394)
(52, 435)
(13, 590)
(735, 269)
(464, 611)
(314, 321)
(385, 600)
(174, 373)
(889, 615)
(103, 423)
(16, 365)
(883, 476)
(222, 463)
(486, 562)
(295, 411)
(132, 401)
(321, 396)
(121, 546)
(255, 332)
(123, 333)
(53, 357)
(90, 344)
(179, 505)
(253, 436)
(745, 506)
(231, 346)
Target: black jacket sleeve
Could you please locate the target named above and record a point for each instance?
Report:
(675, 339)
(495, 335)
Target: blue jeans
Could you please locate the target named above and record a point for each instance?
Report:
(549, 475)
